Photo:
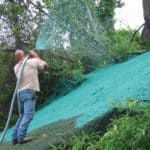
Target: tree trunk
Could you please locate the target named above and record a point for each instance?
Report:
(146, 30)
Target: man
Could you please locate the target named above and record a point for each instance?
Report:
(29, 85)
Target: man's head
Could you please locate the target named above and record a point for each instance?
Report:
(19, 55)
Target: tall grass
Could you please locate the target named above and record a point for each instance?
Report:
(128, 131)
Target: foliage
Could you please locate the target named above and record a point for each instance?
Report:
(130, 131)
(127, 131)
(20, 21)
(6, 84)
(48, 3)
(122, 47)
(77, 142)
(5, 74)
(63, 64)
(64, 73)
(91, 59)
(105, 12)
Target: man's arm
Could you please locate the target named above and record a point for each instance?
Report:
(33, 54)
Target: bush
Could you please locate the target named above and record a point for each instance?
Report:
(63, 64)
(6, 84)
(6, 67)
(129, 131)
(122, 47)
(64, 73)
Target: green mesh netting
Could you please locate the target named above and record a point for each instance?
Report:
(73, 25)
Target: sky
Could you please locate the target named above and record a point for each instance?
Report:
(130, 15)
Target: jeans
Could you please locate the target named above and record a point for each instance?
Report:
(26, 108)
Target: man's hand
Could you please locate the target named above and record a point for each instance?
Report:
(33, 54)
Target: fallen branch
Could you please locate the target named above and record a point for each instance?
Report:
(134, 34)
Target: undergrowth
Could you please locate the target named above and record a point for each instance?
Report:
(128, 131)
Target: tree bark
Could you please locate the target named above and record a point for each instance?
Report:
(146, 30)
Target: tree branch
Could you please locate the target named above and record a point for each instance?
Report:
(134, 34)
(39, 8)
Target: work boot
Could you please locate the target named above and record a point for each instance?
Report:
(14, 141)
(26, 140)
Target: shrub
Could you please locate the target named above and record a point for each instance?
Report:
(122, 47)
(64, 73)
(63, 64)
(129, 131)
(6, 84)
